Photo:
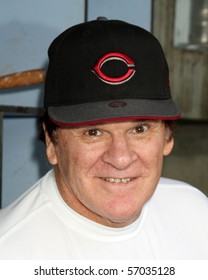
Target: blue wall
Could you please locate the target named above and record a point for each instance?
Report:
(27, 27)
(134, 11)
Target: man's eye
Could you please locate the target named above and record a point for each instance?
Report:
(93, 132)
(141, 128)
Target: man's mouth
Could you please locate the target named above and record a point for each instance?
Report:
(117, 180)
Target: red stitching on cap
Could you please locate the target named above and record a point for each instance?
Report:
(128, 118)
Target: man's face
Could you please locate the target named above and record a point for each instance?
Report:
(107, 172)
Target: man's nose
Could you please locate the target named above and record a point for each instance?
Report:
(120, 153)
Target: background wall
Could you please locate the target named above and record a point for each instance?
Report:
(27, 27)
(134, 11)
(189, 85)
(189, 160)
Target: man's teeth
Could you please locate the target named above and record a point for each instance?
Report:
(116, 180)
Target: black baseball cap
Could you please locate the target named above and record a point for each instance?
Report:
(107, 70)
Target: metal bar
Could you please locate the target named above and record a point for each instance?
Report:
(86, 11)
(21, 110)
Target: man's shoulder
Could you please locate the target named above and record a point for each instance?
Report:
(177, 185)
(179, 192)
(173, 182)
(15, 214)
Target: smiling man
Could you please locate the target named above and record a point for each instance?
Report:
(107, 172)
(107, 127)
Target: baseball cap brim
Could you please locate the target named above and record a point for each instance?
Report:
(116, 110)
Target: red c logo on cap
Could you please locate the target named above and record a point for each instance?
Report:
(114, 80)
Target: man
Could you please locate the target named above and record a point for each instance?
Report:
(107, 128)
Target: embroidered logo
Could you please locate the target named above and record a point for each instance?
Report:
(97, 69)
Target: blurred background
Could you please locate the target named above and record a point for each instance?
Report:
(27, 27)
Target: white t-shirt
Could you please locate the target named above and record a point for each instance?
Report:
(39, 225)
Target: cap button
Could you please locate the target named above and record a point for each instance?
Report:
(102, 18)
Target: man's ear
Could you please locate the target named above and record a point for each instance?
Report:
(169, 142)
(50, 147)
